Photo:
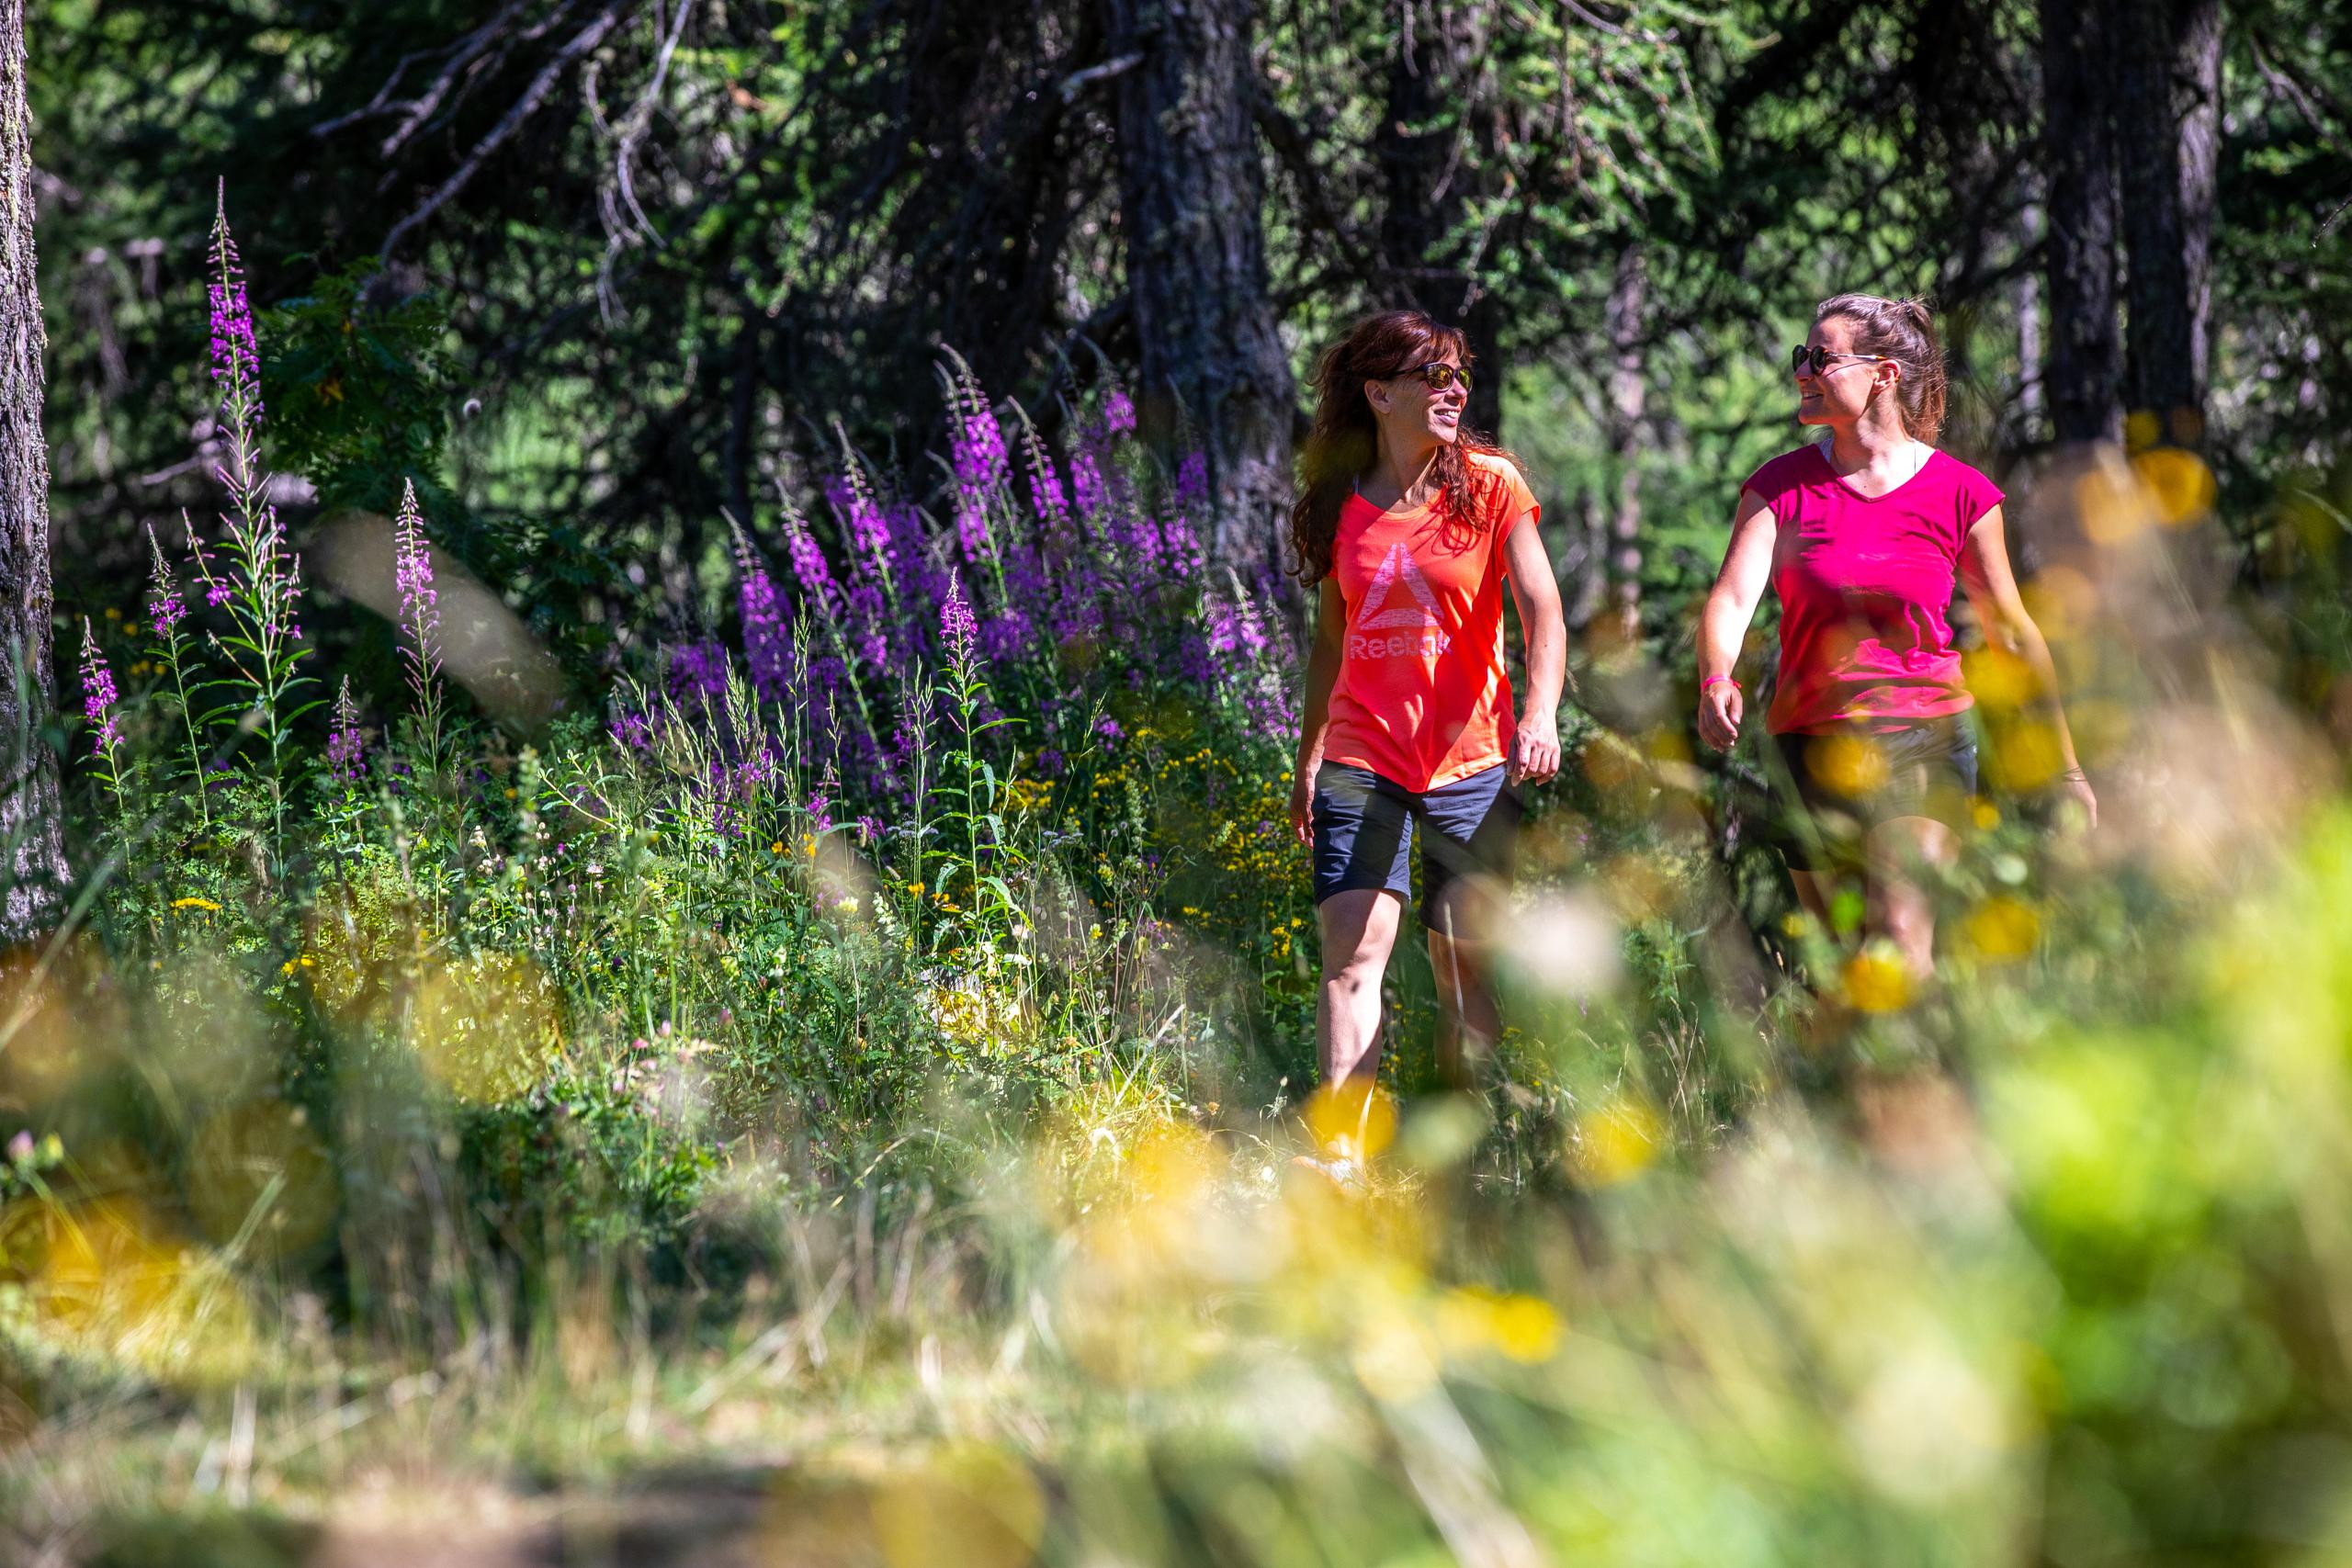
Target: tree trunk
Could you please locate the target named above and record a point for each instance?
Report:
(2168, 126)
(2025, 296)
(1628, 401)
(35, 872)
(1426, 187)
(2084, 377)
(1190, 191)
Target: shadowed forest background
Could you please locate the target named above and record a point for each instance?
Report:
(680, 941)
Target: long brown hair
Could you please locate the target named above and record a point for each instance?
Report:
(1346, 438)
(1904, 332)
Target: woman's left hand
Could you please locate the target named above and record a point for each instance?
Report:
(2076, 787)
(1535, 750)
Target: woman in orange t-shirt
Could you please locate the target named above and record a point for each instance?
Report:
(1408, 524)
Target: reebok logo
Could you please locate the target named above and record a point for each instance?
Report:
(1410, 619)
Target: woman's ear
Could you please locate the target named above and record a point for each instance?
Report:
(1377, 396)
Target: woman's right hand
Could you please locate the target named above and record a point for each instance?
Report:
(1302, 804)
(1720, 709)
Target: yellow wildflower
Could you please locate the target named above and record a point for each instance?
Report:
(206, 904)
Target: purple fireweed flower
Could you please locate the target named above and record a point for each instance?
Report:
(236, 362)
(633, 730)
(697, 670)
(767, 644)
(976, 458)
(1006, 634)
(1192, 478)
(346, 746)
(418, 602)
(1086, 483)
(1108, 727)
(821, 811)
(808, 567)
(98, 695)
(956, 622)
(1180, 548)
(165, 605)
(862, 521)
(869, 830)
(1119, 413)
(1045, 486)
(868, 624)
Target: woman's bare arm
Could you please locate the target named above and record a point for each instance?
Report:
(1535, 749)
(1730, 609)
(1992, 589)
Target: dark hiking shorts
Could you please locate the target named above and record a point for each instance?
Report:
(1842, 784)
(1365, 827)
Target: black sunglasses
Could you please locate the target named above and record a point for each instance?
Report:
(1818, 359)
(1439, 378)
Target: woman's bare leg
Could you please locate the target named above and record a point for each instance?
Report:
(1359, 932)
(1896, 905)
(1468, 1023)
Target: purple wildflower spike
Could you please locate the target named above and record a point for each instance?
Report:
(955, 622)
(346, 746)
(98, 695)
(808, 567)
(1086, 483)
(165, 605)
(236, 363)
(420, 602)
(1192, 477)
(767, 645)
(1045, 486)
(1119, 413)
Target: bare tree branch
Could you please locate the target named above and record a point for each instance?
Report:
(588, 38)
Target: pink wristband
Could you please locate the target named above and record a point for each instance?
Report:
(1713, 679)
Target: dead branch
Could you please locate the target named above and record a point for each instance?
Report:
(587, 38)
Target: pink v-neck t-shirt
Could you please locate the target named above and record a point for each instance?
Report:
(1866, 588)
(1423, 698)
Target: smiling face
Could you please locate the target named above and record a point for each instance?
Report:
(1840, 392)
(1413, 414)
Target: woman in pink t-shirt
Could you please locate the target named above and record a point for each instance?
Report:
(1409, 526)
(1862, 535)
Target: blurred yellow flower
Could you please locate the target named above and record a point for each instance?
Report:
(1354, 1120)
(1853, 765)
(206, 904)
(2001, 928)
(2181, 483)
(1998, 679)
(2024, 757)
(1526, 1328)
(1616, 1142)
(1876, 981)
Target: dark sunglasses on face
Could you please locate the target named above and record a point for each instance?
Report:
(1813, 360)
(1439, 378)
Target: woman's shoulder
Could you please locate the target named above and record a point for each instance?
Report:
(1498, 484)
(1975, 489)
(1496, 463)
(1790, 470)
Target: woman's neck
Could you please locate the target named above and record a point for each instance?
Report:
(1872, 442)
(1405, 471)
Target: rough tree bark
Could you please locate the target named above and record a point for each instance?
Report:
(2083, 378)
(1628, 403)
(2168, 93)
(1190, 191)
(35, 872)
(1426, 181)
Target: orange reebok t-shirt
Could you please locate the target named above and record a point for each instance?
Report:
(1423, 698)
